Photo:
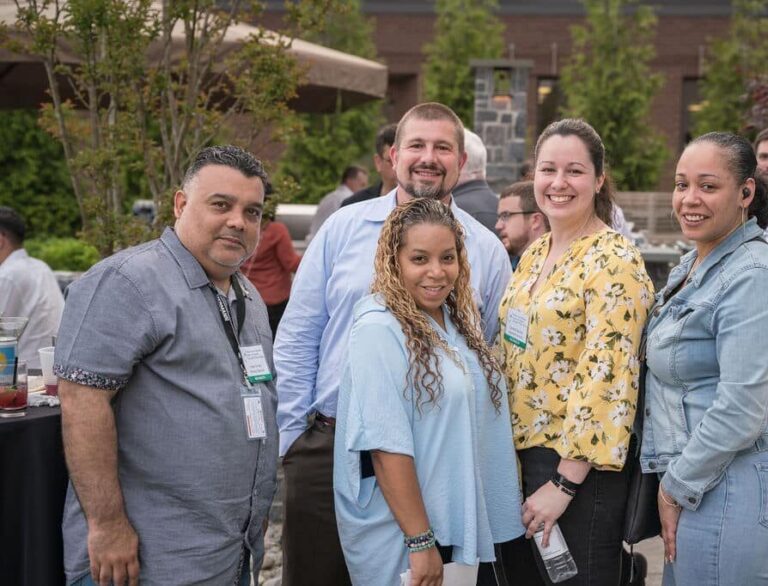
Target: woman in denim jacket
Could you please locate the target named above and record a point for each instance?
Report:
(707, 384)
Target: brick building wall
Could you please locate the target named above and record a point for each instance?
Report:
(540, 33)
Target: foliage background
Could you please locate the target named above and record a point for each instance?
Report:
(63, 254)
(316, 155)
(35, 180)
(609, 83)
(734, 91)
(464, 30)
(136, 122)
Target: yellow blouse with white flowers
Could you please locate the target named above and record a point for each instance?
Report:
(573, 388)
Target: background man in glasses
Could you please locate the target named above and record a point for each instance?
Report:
(519, 220)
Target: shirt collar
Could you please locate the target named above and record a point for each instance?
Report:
(380, 207)
(18, 254)
(739, 236)
(192, 270)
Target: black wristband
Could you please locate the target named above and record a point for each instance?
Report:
(560, 480)
(561, 488)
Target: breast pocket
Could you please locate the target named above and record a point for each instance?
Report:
(693, 355)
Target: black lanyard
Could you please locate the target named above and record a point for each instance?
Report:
(226, 318)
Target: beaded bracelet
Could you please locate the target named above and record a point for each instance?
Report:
(420, 542)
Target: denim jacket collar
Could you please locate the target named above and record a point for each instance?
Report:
(738, 237)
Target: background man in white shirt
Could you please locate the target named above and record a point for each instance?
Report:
(353, 179)
(28, 288)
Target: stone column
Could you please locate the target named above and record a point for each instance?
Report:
(501, 105)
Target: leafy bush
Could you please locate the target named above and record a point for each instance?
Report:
(316, 155)
(63, 254)
(35, 179)
(609, 82)
(464, 30)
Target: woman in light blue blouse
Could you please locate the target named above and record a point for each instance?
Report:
(707, 384)
(424, 464)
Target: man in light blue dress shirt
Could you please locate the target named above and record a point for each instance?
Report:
(335, 272)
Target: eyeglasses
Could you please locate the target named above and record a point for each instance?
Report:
(505, 216)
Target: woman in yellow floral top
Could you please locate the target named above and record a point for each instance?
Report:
(571, 321)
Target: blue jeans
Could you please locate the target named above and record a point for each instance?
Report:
(725, 541)
(245, 576)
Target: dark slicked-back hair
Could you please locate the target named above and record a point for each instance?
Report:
(385, 138)
(12, 225)
(742, 163)
(432, 111)
(594, 145)
(228, 156)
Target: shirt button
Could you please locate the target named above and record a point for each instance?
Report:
(692, 500)
(657, 311)
(652, 465)
(647, 411)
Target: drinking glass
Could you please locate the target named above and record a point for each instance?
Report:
(13, 389)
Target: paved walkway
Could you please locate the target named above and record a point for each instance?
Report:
(653, 550)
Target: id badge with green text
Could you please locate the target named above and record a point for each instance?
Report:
(256, 365)
(516, 328)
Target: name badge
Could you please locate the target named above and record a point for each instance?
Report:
(255, 428)
(256, 364)
(516, 329)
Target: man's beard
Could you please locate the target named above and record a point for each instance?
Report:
(436, 191)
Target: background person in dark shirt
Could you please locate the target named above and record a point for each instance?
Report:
(472, 193)
(385, 138)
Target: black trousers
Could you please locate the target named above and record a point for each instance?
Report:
(592, 526)
(275, 313)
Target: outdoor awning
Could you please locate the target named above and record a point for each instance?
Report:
(331, 77)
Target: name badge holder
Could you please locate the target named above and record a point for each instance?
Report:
(516, 328)
(253, 364)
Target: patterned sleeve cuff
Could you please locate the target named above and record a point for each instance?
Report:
(89, 379)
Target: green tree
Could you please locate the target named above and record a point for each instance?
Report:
(609, 83)
(316, 156)
(464, 30)
(155, 83)
(35, 179)
(736, 69)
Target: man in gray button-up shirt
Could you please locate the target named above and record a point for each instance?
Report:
(169, 484)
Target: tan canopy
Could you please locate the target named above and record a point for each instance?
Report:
(330, 75)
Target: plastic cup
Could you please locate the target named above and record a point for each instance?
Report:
(13, 389)
(46, 364)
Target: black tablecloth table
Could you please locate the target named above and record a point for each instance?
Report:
(33, 485)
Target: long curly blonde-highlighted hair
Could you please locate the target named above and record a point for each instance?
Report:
(422, 341)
